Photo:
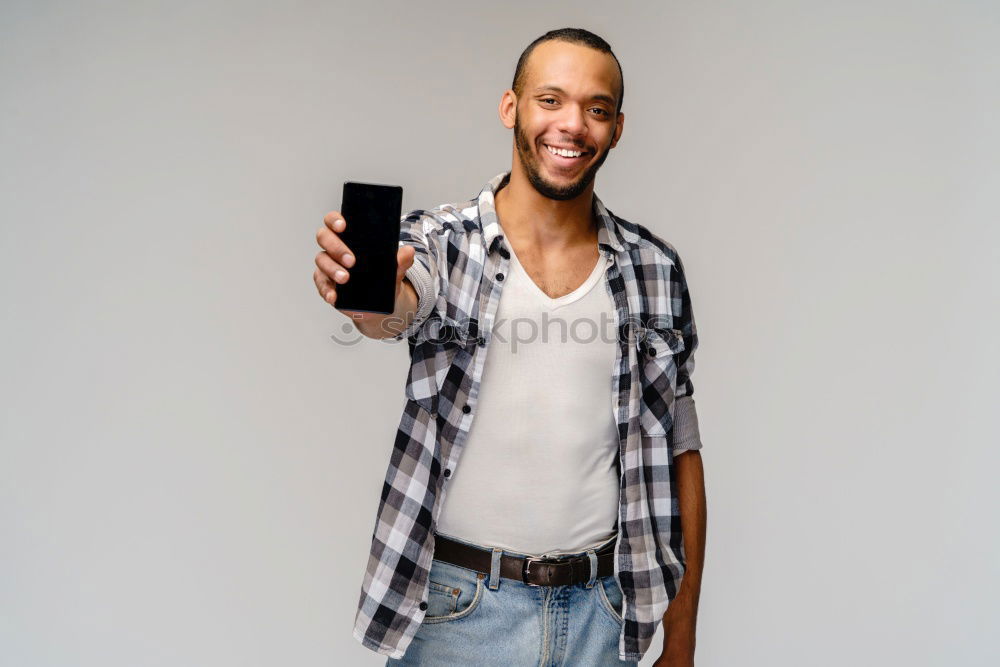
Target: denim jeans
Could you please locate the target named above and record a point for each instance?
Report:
(473, 618)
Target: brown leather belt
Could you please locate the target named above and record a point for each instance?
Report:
(552, 571)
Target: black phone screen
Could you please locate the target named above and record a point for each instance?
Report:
(373, 213)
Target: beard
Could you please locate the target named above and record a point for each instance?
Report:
(533, 169)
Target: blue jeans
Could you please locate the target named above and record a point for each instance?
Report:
(473, 618)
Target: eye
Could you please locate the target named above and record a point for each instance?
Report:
(602, 111)
(547, 99)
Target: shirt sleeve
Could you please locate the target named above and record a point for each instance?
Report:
(422, 275)
(686, 432)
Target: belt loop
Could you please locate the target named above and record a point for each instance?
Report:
(495, 568)
(593, 567)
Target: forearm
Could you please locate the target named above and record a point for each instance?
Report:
(689, 475)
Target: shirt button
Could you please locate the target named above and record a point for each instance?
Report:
(423, 606)
(499, 276)
(481, 341)
(447, 472)
(466, 409)
(652, 351)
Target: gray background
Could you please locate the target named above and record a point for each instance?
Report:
(190, 466)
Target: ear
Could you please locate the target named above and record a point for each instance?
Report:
(508, 109)
(619, 124)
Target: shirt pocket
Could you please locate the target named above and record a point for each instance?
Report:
(657, 354)
(432, 358)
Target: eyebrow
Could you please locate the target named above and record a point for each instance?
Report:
(600, 96)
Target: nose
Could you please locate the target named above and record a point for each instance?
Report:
(571, 120)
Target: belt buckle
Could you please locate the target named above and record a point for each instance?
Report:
(527, 564)
(532, 559)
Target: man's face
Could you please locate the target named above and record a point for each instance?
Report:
(580, 117)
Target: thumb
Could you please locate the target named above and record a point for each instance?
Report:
(404, 260)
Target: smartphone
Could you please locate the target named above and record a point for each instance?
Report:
(373, 212)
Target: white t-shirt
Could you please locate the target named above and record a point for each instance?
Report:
(538, 472)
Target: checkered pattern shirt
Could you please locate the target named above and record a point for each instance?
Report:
(458, 273)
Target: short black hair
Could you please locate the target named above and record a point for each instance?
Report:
(573, 36)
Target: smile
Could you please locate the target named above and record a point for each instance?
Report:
(564, 157)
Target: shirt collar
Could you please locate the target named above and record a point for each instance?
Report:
(608, 234)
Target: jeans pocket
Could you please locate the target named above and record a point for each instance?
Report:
(453, 592)
(611, 597)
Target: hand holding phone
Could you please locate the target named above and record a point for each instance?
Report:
(366, 253)
(373, 211)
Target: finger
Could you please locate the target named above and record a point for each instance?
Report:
(326, 289)
(335, 246)
(335, 221)
(332, 269)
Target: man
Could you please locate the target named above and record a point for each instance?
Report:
(529, 515)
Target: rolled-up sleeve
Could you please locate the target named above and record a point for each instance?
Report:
(422, 275)
(686, 433)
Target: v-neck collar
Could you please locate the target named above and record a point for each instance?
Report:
(579, 292)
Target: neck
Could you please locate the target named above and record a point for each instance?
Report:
(540, 222)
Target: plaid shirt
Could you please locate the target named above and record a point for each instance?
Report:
(458, 270)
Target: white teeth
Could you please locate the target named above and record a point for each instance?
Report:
(563, 152)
